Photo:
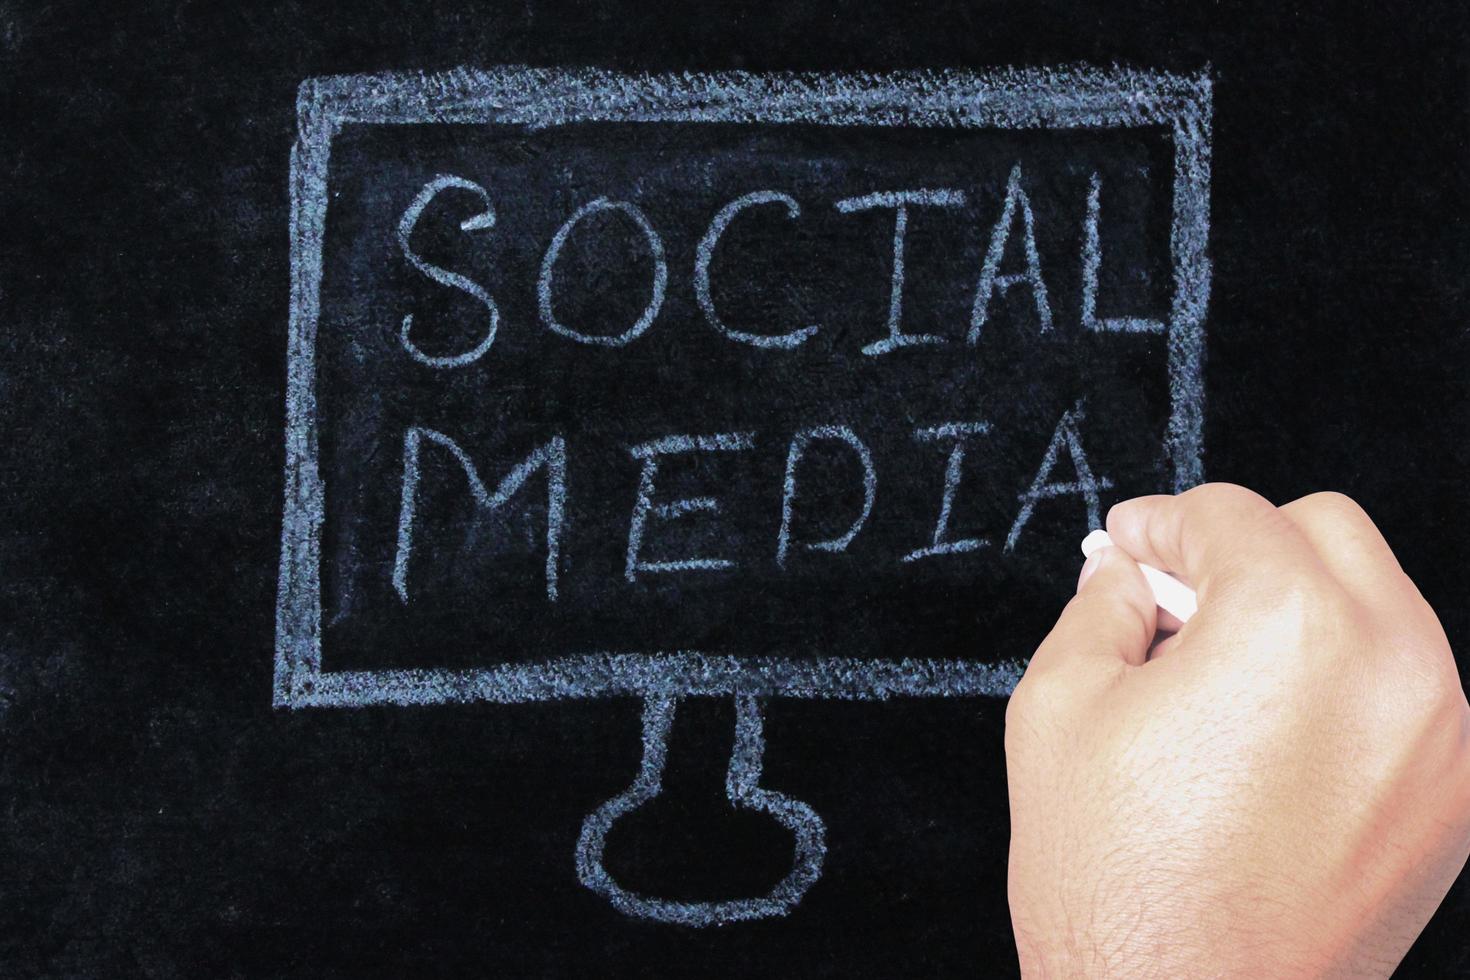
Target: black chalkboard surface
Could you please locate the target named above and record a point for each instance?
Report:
(566, 489)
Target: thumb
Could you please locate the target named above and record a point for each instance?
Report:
(1110, 620)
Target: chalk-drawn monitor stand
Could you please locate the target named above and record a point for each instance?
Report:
(739, 385)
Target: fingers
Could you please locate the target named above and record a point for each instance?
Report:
(1350, 545)
(1217, 537)
(1110, 622)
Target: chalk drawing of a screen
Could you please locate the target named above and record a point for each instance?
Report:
(339, 116)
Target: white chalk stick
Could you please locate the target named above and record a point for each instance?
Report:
(1171, 594)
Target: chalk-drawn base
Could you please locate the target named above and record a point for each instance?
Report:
(741, 786)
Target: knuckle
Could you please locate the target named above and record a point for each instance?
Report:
(1336, 508)
(1252, 514)
(1221, 494)
(1311, 610)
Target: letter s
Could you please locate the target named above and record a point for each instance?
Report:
(485, 219)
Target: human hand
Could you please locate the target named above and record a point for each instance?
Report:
(1279, 789)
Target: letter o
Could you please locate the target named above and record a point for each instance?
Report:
(553, 251)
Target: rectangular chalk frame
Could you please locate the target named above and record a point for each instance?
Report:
(1067, 98)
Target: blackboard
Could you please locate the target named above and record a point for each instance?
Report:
(555, 489)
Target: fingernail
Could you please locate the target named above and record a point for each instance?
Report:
(1090, 566)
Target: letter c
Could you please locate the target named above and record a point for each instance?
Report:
(705, 252)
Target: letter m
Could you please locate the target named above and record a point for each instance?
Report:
(552, 455)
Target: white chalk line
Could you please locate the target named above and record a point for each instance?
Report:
(743, 790)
